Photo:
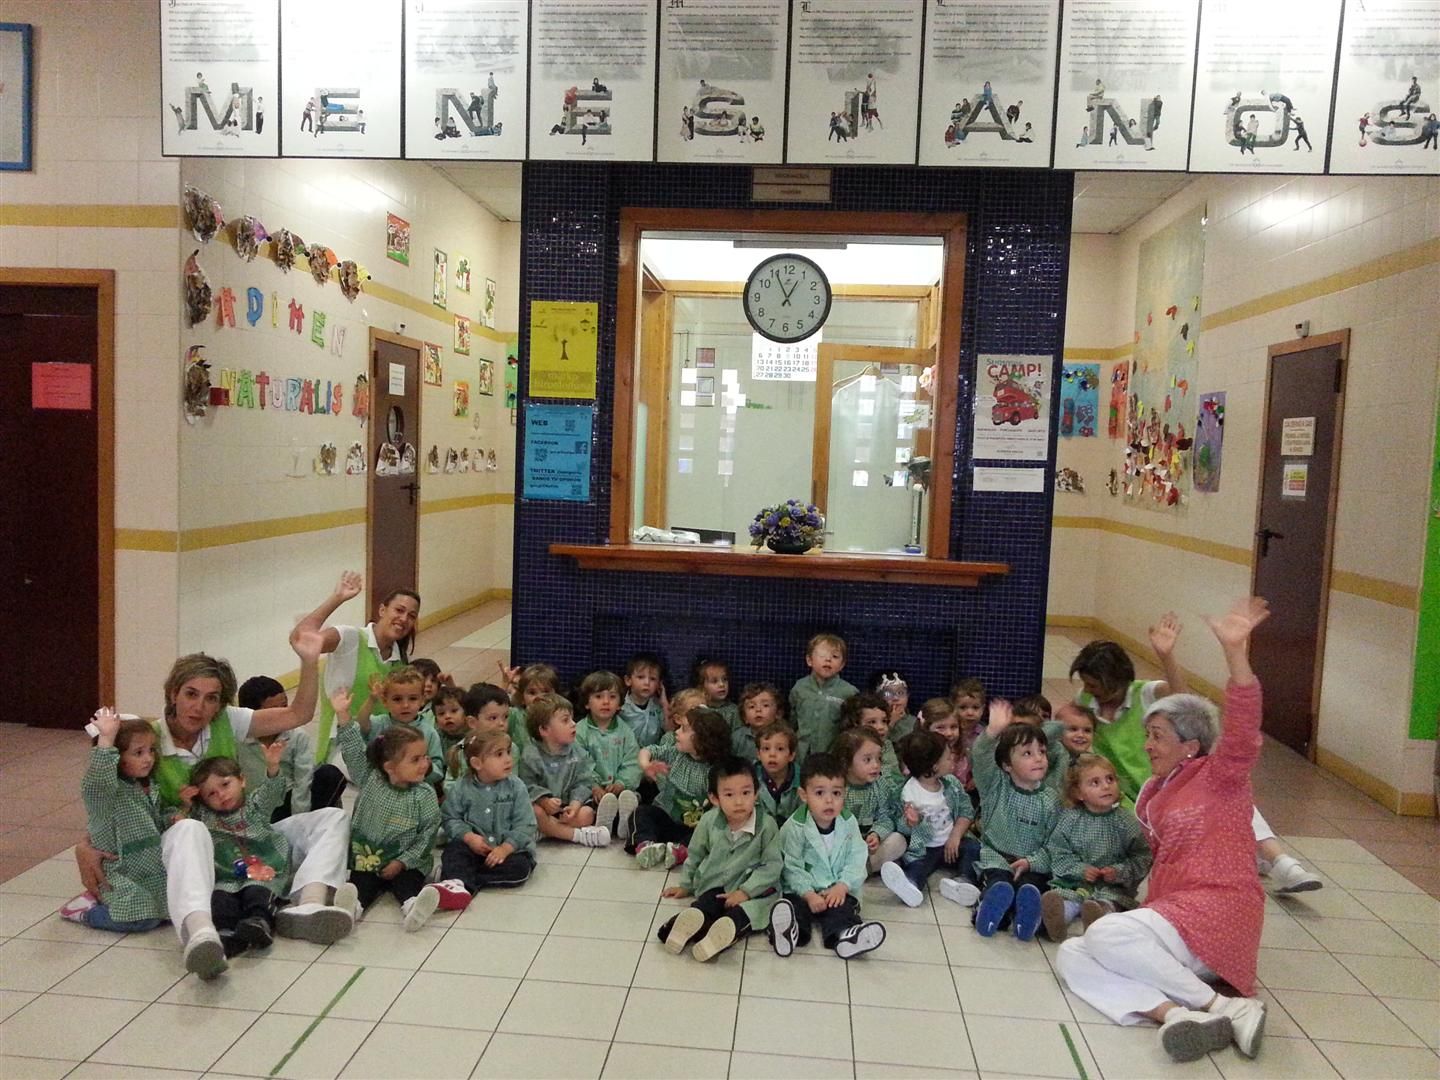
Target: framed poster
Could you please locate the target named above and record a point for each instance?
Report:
(340, 63)
(1387, 97)
(722, 82)
(1012, 408)
(989, 82)
(465, 79)
(17, 96)
(1264, 74)
(1127, 69)
(220, 78)
(854, 80)
(592, 80)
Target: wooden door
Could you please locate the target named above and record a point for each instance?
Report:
(56, 559)
(1294, 529)
(394, 531)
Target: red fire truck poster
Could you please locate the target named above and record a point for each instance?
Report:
(1012, 408)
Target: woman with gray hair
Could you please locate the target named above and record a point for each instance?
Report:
(1202, 917)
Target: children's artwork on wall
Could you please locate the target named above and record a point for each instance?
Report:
(486, 383)
(441, 278)
(360, 402)
(434, 366)
(297, 316)
(1119, 385)
(432, 460)
(225, 308)
(355, 460)
(512, 373)
(1112, 485)
(462, 335)
(196, 383)
(490, 462)
(487, 309)
(337, 339)
(317, 328)
(197, 290)
(387, 460)
(249, 235)
(321, 260)
(1209, 438)
(325, 461)
(452, 460)
(285, 246)
(202, 215)
(462, 398)
(397, 239)
(407, 460)
(462, 273)
(254, 305)
(464, 465)
(1079, 399)
(351, 275)
(1068, 480)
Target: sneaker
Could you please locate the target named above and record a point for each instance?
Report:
(784, 928)
(1091, 910)
(255, 932)
(607, 812)
(347, 898)
(994, 904)
(686, 925)
(896, 881)
(76, 909)
(1247, 1021)
(1288, 876)
(592, 836)
(720, 938)
(858, 940)
(625, 821)
(453, 894)
(1052, 914)
(420, 907)
(959, 891)
(322, 924)
(204, 954)
(232, 945)
(1027, 912)
(655, 856)
(1188, 1034)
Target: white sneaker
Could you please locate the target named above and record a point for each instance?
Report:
(686, 925)
(958, 891)
(625, 822)
(1247, 1022)
(858, 940)
(607, 812)
(896, 881)
(204, 954)
(1189, 1034)
(1288, 876)
(592, 836)
(420, 907)
(322, 924)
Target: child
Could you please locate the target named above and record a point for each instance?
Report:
(486, 708)
(396, 815)
(644, 706)
(713, 677)
(732, 869)
(1033, 709)
(434, 677)
(937, 812)
(613, 752)
(1019, 812)
(815, 699)
(938, 715)
(776, 781)
(868, 709)
(447, 708)
(968, 697)
(759, 708)
(559, 775)
(252, 858)
(489, 822)
(896, 692)
(531, 684)
(1068, 739)
(682, 770)
(309, 787)
(125, 818)
(402, 692)
(870, 796)
(824, 858)
(1098, 853)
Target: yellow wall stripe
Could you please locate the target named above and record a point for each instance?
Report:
(1116, 352)
(146, 540)
(97, 216)
(1377, 589)
(467, 502)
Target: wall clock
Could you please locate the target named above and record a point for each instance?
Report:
(787, 298)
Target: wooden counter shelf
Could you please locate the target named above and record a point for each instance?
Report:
(748, 562)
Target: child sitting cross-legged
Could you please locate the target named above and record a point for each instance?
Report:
(613, 752)
(682, 770)
(824, 857)
(559, 775)
(1098, 852)
(937, 813)
(489, 823)
(759, 708)
(870, 795)
(732, 868)
(777, 779)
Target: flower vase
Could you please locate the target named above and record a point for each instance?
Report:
(788, 547)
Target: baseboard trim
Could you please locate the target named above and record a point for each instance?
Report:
(1404, 803)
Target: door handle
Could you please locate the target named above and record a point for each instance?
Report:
(1265, 536)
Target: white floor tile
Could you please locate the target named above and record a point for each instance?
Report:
(269, 1041)
(965, 948)
(34, 1068)
(1400, 907)
(1357, 1061)
(1031, 994)
(874, 1070)
(60, 1026)
(659, 970)
(1321, 849)
(93, 1070)
(58, 878)
(485, 952)
(442, 999)
(1282, 932)
(1425, 936)
(382, 944)
(414, 1052)
(176, 1037)
(915, 943)
(552, 879)
(677, 1018)
(1345, 1018)
(55, 928)
(812, 1029)
(1279, 1059)
(908, 1037)
(1135, 1053)
(541, 1057)
(20, 912)
(134, 974)
(539, 1008)
(514, 911)
(1390, 976)
(605, 883)
(1364, 936)
(12, 1001)
(1370, 876)
(1284, 969)
(612, 920)
(366, 998)
(582, 960)
(38, 965)
(1027, 1047)
(252, 983)
(927, 987)
(747, 1066)
(1420, 1016)
(800, 977)
(1324, 903)
(628, 1061)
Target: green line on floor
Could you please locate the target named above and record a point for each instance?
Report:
(1069, 1042)
(326, 1012)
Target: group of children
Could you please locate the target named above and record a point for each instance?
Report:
(775, 808)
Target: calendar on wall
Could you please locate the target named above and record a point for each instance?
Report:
(794, 362)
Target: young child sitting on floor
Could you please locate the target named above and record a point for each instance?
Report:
(937, 813)
(870, 796)
(310, 786)
(559, 775)
(732, 869)
(402, 695)
(528, 685)
(939, 716)
(447, 710)
(713, 677)
(759, 708)
(613, 752)
(824, 856)
(895, 690)
(681, 768)
(777, 777)
(486, 708)
(1098, 852)
(815, 699)
(644, 706)
(869, 709)
(489, 823)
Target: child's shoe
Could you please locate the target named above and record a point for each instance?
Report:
(1027, 912)
(784, 928)
(995, 902)
(686, 925)
(896, 881)
(1052, 914)
(321, 924)
(625, 820)
(255, 932)
(1247, 1021)
(591, 836)
(204, 954)
(1288, 876)
(1091, 910)
(654, 856)
(453, 894)
(1189, 1034)
(420, 907)
(607, 812)
(858, 940)
(720, 938)
(76, 909)
(959, 891)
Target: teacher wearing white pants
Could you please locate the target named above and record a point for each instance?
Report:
(1205, 908)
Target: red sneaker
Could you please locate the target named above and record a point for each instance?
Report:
(453, 895)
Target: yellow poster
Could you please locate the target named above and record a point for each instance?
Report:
(564, 341)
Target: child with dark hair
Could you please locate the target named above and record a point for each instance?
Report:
(937, 813)
(447, 711)
(434, 677)
(732, 869)
(713, 677)
(777, 782)
(868, 709)
(613, 752)
(559, 775)
(682, 771)
(489, 823)
(308, 786)
(486, 708)
(759, 708)
(644, 706)
(815, 699)
(870, 796)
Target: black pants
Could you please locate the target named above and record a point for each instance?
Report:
(253, 901)
(326, 784)
(654, 826)
(402, 886)
(458, 861)
(832, 921)
(713, 908)
(919, 870)
(1029, 877)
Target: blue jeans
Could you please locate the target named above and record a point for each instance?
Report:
(98, 918)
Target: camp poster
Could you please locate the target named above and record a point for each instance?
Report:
(1079, 400)
(1012, 411)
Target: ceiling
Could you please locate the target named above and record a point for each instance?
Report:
(495, 185)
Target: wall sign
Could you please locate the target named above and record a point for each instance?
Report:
(64, 387)
(564, 344)
(557, 452)
(1297, 436)
(219, 78)
(1012, 408)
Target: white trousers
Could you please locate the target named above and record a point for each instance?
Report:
(1261, 827)
(1131, 962)
(319, 851)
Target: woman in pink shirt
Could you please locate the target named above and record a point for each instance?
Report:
(1201, 920)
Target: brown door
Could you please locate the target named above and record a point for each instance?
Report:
(1299, 479)
(394, 464)
(53, 479)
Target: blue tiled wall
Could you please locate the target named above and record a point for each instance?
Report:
(1014, 302)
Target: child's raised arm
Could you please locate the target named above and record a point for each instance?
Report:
(1163, 636)
(1002, 715)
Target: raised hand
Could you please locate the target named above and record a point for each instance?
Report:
(308, 644)
(107, 722)
(340, 702)
(1164, 634)
(273, 751)
(1233, 629)
(1002, 715)
(349, 586)
(509, 676)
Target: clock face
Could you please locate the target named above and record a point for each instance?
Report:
(787, 298)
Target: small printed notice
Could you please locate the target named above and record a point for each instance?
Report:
(992, 478)
(60, 386)
(796, 362)
(564, 343)
(557, 452)
(1297, 436)
(397, 380)
(1012, 408)
(1295, 479)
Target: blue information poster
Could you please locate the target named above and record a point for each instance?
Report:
(557, 452)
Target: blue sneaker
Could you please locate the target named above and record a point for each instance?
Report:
(1028, 912)
(993, 906)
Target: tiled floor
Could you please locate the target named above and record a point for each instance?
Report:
(564, 978)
